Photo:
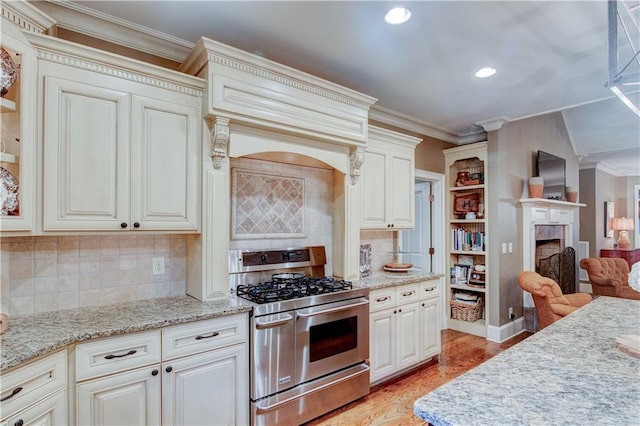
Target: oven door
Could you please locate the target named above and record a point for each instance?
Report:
(331, 337)
(273, 349)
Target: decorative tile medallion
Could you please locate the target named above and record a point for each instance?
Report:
(266, 205)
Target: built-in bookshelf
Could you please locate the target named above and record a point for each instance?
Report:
(467, 220)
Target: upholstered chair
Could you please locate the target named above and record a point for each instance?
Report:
(609, 276)
(551, 304)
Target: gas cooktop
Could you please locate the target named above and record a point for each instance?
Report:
(290, 286)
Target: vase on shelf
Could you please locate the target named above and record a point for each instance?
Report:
(536, 186)
(572, 194)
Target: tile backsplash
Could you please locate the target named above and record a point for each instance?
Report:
(40, 274)
(317, 204)
(382, 247)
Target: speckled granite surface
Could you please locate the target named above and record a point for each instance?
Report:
(570, 373)
(29, 336)
(390, 279)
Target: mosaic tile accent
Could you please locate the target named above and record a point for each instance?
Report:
(266, 205)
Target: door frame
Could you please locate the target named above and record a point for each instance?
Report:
(437, 231)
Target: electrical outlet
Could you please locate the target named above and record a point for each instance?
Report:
(158, 265)
(511, 316)
(504, 248)
(510, 247)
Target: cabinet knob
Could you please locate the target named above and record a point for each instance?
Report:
(392, 225)
(136, 224)
(399, 310)
(423, 305)
(395, 311)
(388, 225)
(154, 372)
(123, 225)
(169, 369)
(19, 423)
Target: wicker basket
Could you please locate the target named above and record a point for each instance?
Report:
(467, 312)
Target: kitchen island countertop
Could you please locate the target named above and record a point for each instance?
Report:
(569, 373)
(379, 280)
(30, 336)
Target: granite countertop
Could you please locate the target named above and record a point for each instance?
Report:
(30, 336)
(568, 373)
(379, 280)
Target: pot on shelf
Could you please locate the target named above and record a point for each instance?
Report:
(536, 187)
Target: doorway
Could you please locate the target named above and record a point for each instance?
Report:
(429, 231)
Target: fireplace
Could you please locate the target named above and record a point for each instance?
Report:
(548, 228)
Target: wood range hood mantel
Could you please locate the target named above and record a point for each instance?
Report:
(256, 107)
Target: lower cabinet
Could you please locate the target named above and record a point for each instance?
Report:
(404, 327)
(192, 374)
(131, 397)
(35, 394)
(206, 389)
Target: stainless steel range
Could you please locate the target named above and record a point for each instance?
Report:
(309, 334)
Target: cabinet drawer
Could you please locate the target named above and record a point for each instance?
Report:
(382, 299)
(114, 354)
(195, 337)
(407, 293)
(429, 289)
(32, 382)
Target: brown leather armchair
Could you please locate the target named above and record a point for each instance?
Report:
(609, 276)
(551, 304)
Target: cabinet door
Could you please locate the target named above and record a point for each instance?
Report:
(401, 191)
(382, 344)
(408, 335)
(374, 191)
(86, 156)
(164, 163)
(129, 398)
(429, 329)
(18, 124)
(51, 411)
(209, 388)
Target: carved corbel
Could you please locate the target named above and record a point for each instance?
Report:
(356, 158)
(219, 140)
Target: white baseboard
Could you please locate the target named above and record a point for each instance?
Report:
(506, 332)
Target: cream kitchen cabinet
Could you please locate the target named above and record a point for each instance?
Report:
(121, 142)
(183, 374)
(204, 373)
(36, 393)
(387, 174)
(404, 328)
(18, 131)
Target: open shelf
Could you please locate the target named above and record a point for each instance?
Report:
(468, 287)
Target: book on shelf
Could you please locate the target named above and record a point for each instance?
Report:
(462, 239)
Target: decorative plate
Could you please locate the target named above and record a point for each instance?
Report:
(9, 72)
(9, 193)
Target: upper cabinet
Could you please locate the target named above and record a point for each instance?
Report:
(388, 173)
(17, 149)
(121, 142)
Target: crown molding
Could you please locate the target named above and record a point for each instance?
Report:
(82, 57)
(26, 16)
(396, 119)
(83, 20)
(492, 124)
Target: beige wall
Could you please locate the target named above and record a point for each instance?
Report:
(512, 154)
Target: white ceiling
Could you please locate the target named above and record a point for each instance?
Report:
(550, 56)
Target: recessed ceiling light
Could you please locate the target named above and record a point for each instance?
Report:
(485, 72)
(397, 15)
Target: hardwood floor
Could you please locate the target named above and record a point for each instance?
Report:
(392, 403)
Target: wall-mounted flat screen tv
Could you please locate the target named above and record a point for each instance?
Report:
(552, 169)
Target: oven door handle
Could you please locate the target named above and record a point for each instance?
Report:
(285, 318)
(331, 310)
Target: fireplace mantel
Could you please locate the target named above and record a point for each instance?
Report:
(541, 211)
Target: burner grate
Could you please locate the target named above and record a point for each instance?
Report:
(285, 288)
